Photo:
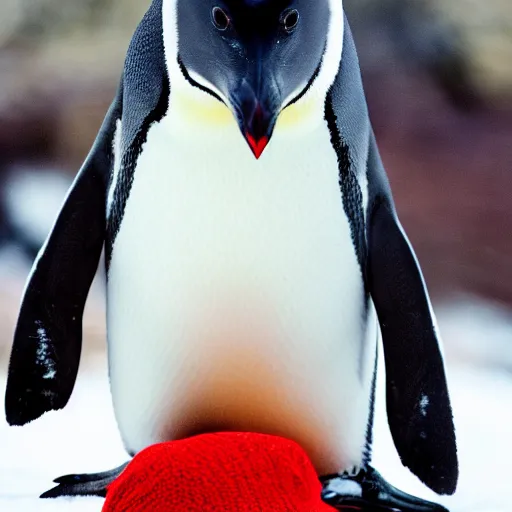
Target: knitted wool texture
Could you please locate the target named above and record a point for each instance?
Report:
(239, 472)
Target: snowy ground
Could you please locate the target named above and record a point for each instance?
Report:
(83, 437)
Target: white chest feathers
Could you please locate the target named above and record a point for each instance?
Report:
(235, 300)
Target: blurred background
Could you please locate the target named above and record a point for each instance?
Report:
(438, 78)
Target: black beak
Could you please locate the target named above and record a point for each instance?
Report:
(257, 113)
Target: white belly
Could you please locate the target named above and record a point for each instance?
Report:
(235, 300)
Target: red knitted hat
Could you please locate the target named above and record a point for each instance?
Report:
(242, 472)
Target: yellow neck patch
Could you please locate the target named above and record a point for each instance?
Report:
(208, 111)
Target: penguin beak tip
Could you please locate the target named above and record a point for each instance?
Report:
(257, 145)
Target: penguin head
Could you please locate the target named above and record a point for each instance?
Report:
(256, 56)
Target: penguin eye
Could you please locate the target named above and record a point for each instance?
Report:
(220, 19)
(290, 19)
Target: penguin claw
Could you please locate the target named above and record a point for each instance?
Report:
(368, 491)
(98, 489)
(69, 479)
(87, 477)
(94, 484)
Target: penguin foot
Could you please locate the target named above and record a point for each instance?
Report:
(94, 484)
(369, 491)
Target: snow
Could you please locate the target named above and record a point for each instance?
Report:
(343, 487)
(43, 352)
(33, 199)
(81, 438)
(424, 404)
(477, 330)
(483, 420)
(84, 438)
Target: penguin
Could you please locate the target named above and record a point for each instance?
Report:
(254, 256)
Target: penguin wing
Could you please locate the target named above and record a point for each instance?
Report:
(418, 404)
(146, 93)
(48, 336)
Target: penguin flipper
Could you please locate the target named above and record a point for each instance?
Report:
(94, 484)
(418, 404)
(48, 336)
